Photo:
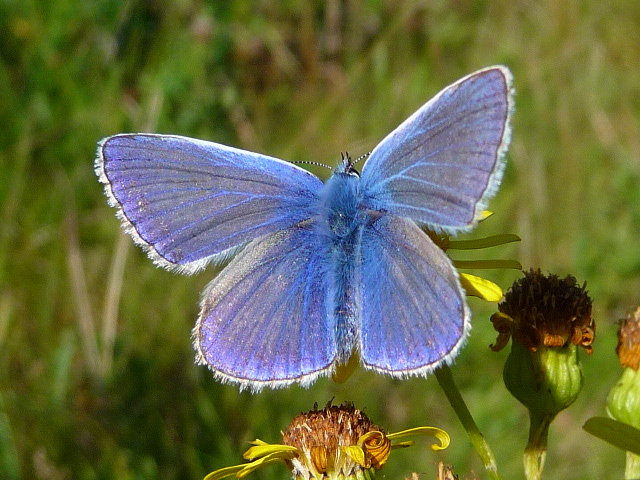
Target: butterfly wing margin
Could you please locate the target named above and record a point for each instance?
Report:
(264, 320)
(443, 163)
(414, 314)
(187, 201)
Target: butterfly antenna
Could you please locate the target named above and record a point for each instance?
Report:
(362, 157)
(307, 162)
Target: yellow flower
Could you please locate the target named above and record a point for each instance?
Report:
(329, 444)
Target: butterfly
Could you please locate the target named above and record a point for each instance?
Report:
(320, 271)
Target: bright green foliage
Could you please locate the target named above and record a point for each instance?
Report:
(96, 366)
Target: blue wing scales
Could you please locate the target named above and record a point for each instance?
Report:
(414, 314)
(264, 319)
(188, 201)
(443, 163)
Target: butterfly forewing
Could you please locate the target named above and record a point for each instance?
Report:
(442, 164)
(186, 201)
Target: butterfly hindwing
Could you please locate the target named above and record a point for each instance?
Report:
(414, 314)
(440, 166)
(264, 319)
(187, 201)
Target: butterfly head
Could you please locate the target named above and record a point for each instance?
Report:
(347, 166)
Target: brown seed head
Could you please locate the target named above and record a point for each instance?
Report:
(628, 348)
(320, 434)
(547, 311)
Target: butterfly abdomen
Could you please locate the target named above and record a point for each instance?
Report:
(342, 224)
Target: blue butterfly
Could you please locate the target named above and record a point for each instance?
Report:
(320, 271)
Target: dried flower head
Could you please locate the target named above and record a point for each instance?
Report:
(546, 311)
(628, 348)
(623, 401)
(329, 444)
(326, 437)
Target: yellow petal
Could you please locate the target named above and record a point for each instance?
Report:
(224, 472)
(481, 288)
(378, 445)
(356, 453)
(405, 444)
(431, 431)
(263, 449)
(261, 454)
(257, 441)
(319, 457)
(260, 463)
(484, 215)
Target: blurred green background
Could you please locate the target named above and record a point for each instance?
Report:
(97, 379)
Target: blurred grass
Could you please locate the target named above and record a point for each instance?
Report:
(96, 365)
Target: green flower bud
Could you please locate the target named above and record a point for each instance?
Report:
(623, 402)
(546, 381)
(548, 318)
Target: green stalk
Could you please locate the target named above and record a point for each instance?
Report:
(632, 469)
(536, 449)
(482, 448)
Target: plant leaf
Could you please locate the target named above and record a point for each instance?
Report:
(614, 432)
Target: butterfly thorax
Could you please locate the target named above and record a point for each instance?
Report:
(341, 202)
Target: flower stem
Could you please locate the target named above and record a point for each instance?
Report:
(482, 448)
(536, 449)
(632, 469)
